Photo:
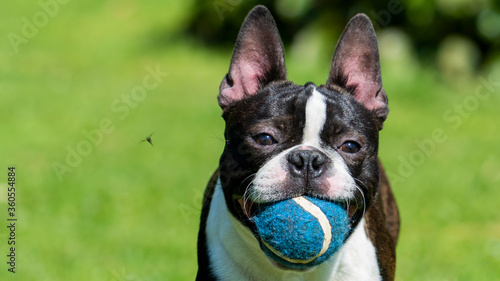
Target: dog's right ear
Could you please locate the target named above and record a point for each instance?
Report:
(356, 66)
(258, 58)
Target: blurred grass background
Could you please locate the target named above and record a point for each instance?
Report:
(129, 210)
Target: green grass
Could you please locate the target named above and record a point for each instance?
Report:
(130, 211)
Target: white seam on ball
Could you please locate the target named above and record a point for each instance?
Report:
(314, 210)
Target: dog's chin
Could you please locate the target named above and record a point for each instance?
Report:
(248, 208)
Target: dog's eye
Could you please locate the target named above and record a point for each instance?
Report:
(350, 147)
(264, 139)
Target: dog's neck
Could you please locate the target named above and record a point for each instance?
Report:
(235, 254)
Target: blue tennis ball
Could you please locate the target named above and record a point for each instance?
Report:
(303, 231)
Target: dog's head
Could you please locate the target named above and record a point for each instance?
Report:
(285, 140)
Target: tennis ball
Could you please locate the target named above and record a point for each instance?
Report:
(303, 231)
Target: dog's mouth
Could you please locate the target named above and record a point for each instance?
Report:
(354, 210)
(250, 208)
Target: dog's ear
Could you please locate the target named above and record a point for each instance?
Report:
(356, 66)
(258, 58)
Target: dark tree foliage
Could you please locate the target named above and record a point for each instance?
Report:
(427, 23)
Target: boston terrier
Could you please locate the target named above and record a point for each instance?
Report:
(284, 140)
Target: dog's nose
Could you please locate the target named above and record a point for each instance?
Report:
(307, 163)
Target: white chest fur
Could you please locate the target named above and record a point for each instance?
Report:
(235, 254)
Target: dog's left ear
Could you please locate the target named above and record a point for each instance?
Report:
(356, 66)
(258, 58)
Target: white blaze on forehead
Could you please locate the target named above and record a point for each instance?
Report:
(315, 118)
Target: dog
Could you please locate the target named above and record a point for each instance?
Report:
(284, 140)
